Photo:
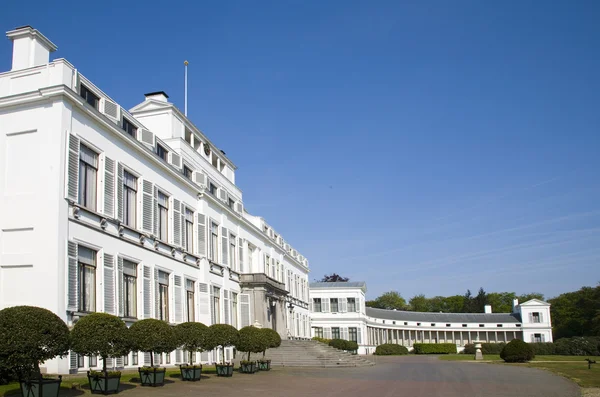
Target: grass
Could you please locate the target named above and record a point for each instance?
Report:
(76, 385)
(572, 367)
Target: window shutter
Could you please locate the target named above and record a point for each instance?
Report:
(245, 318)
(73, 168)
(531, 317)
(154, 210)
(156, 295)
(358, 335)
(345, 334)
(73, 361)
(147, 359)
(109, 187)
(120, 191)
(73, 296)
(226, 308)
(109, 284)
(178, 299)
(325, 305)
(241, 254)
(203, 301)
(343, 305)
(147, 287)
(176, 211)
(213, 317)
(312, 306)
(120, 362)
(327, 332)
(224, 234)
(201, 218)
(541, 318)
(532, 338)
(543, 338)
(147, 207)
(178, 356)
(120, 294)
(109, 363)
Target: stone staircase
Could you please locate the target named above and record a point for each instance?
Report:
(309, 353)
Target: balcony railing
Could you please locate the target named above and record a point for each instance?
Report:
(261, 279)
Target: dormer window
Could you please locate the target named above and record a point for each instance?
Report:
(129, 128)
(161, 152)
(212, 189)
(187, 172)
(89, 96)
(230, 203)
(188, 136)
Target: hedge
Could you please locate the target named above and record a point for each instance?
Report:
(486, 348)
(322, 340)
(342, 344)
(389, 349)
(435, 348)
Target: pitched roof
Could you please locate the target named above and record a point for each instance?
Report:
(339, 284)
(400, 315)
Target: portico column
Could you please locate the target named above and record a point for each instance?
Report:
(495, 336)
(504, 336)
(437, 336)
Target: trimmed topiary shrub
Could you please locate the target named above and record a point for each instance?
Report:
(272, 339)
(191, 337)
(221, 335)
(517, 351)
(434, 348)
(251, 340)
(152, 336)
(29, 336)
(339, 344)
(101, 334)
(389, 349)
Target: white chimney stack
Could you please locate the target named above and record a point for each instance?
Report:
(488, 309)
(515, 304)
(30, 48)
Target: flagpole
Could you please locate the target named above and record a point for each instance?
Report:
(185, 63)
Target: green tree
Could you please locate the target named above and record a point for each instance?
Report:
(333, 278)
(251, 340)
(191, 337)
(576, 313)
(455, 303)
(389, 300)
(533, 295)
(501, 302)
(419, 303)
(272, 338)
(221, 335)
(152, 336)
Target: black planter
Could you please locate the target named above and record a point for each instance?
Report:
(191, 372)
(264, 365)
(152, 376)
(100, 384)
(248, 368)
(224, 370)
(41, 387)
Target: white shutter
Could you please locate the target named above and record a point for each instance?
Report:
(213, 315)
(73, 281)
(109, 284)
(109, 187)
(358, 335)
(120, 362)
(224, 250)
(199, 178)
(156, 295)
(121, 293)
(327, 332)
(73, 169)
(176, 229)
(532, 338)
(178, 299)
(147, 138)
(241, 254)
(543, 338)
(147, 292)
(120, 191)
(541, 318)
(345, 334)
(147, 206)
(155, 209)
(245, 319)
(175, 160)
(203, 300)
(325, 306)
(73, 364)
(226, 308)
(178, 356)
(343, 305)
(201, 234)
(530, 317)
(222, 194)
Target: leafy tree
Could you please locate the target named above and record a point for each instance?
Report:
(533, 295)
(191, 337)
(501, 301)
(333, 278)
(480, 301)
(419, 303)
(272, 338)
(576, 313)
(251, 340)
(101, 334)
(455, 303)
(390, 300)
(152, 336)
(29, 336)
(221, 335)
(468, 303)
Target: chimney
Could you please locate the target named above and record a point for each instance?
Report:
(30, 48)
(157, 96)
(515, 304)
(488, 309)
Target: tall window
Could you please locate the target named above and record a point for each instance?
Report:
(216, 304)
(187, 172)
(163, 296)
(214, 241)
(318, 331)
(163, 217)
(232, 262)
(353, 334)
(212, 189)
(129, 127)
(250, 258)
(189, 290)
(87, 279)
(129, 289)
(89, 97)
(535, 317)
(88, 177)
(188, 238)
(317, 305)
(129, 199)
(161, 152)
(351, 305)
(234, 309)
(334, 305)
(335, 333)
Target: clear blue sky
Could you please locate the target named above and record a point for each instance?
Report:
(424, 147)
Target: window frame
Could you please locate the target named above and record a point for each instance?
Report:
(320, 305)
(161, 208)
(88, 95)
(128, 218)
(85, 167)
(337, 305)
(130, 128)
(81, 291)
(162, 152)
(129, 306)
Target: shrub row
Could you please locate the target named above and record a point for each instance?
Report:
(576, 346)
(342, 344)
(435, 348)
(389, 349)
(486, 348)
(322, 340)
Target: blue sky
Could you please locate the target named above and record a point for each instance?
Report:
(424, 147)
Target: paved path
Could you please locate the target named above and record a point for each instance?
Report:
(410, 376)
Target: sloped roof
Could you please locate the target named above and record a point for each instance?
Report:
(424, 317)
(339, 284)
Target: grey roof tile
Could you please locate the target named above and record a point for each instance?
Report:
(339, 284)
(400, 315)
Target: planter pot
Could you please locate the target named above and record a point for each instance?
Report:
(264, 365)
(248, 368)
(191, 372)
(100, 384)
(224, 370)
(40, 387)
(152, 376)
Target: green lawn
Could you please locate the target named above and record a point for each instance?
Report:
(129, 379)
(496, 357)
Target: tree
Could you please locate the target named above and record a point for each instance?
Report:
(419, 303)
(152, 336)
(221, 335)
(480, 301)
(31, 335)
(272, 339)
(455, 303)
(390, 300)
(530, 296)
(101, 334)
(191, 337)
(576, 313)
(251, 340)
(333, 278)
(501, 302)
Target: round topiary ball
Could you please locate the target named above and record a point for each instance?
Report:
(191, 337)
(517, 351)
(272, 337)
(152, 336)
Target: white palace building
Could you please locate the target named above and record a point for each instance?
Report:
(130, 212)
(137, 213)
